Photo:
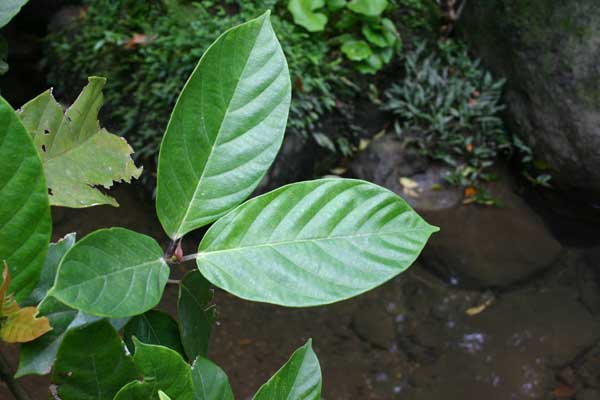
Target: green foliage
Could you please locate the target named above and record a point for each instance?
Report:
(308, 243)
(365, 37)
(196, 314)
(298, 379)
(76, 153)
(230, 117)
(330, 246)
(210, 382)
(130, 282)
(145, 79)
(91, 364)
(25, 223)
(449, 106)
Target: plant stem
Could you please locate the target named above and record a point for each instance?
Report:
(7, 376)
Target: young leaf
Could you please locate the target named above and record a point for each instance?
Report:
(112, 273)
(225, 130)
(8, 9)
(24, 326)
(76, 152)
(153, 327)
(370, 8)
(162, 369)
(196, 317)
(298, 379)
(304, 14)
(25, 223)
(356, 50)
(313, 243)
(91, 364)
(210, 382)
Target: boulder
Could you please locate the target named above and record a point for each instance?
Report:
(549, 51)
(490, 246)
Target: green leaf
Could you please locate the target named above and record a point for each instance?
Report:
(304, 14)
(370, 8)
(163, 396)
(8, 9)
(153, 327)
(25, 223)
(91, 364)
(162, 369)
(77, 154)
(196, 315)
(298, 379)
(313, 243)
(225, 130)
(112, 273)
(356, 50)
(335, 5)
(37, 357)
(210, 382)
(55, 253)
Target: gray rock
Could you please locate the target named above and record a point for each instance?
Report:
(549, 51)
(487, 246)
(386, 161)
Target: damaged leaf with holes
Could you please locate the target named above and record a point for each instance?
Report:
(77, 154)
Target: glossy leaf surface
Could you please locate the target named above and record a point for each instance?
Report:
(76, 152)
(195, 313)
(225, 130)
(298, 379)
(91, 364)
(25, 223)
(210, 381)
(313, 243)
(162, 369)
(112, 273)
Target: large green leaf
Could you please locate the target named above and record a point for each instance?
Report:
(77, 154)
(25, 223)
(162, 369)
(112, 273)
(153, 327)
(371, 8)
(196, 314)
(210, 382)
(298, 379)
(37, 357)
(8, 9)
(225, 130)
(91, 364)
(304, 14)
(313, 243)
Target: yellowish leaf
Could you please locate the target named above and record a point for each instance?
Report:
(339, 171)
(364, 143)
(24, 326)
(408, 183)
(480, 308)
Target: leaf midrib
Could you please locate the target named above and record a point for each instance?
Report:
(214, 144)
(310, 240)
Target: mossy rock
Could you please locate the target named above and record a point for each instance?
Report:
(550, 53)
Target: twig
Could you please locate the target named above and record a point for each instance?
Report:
(7, 376)
(54, 392)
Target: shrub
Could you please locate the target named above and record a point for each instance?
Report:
(149, 48)
(305, 244)
(449, 107)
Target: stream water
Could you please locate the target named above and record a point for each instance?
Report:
(417, 337)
